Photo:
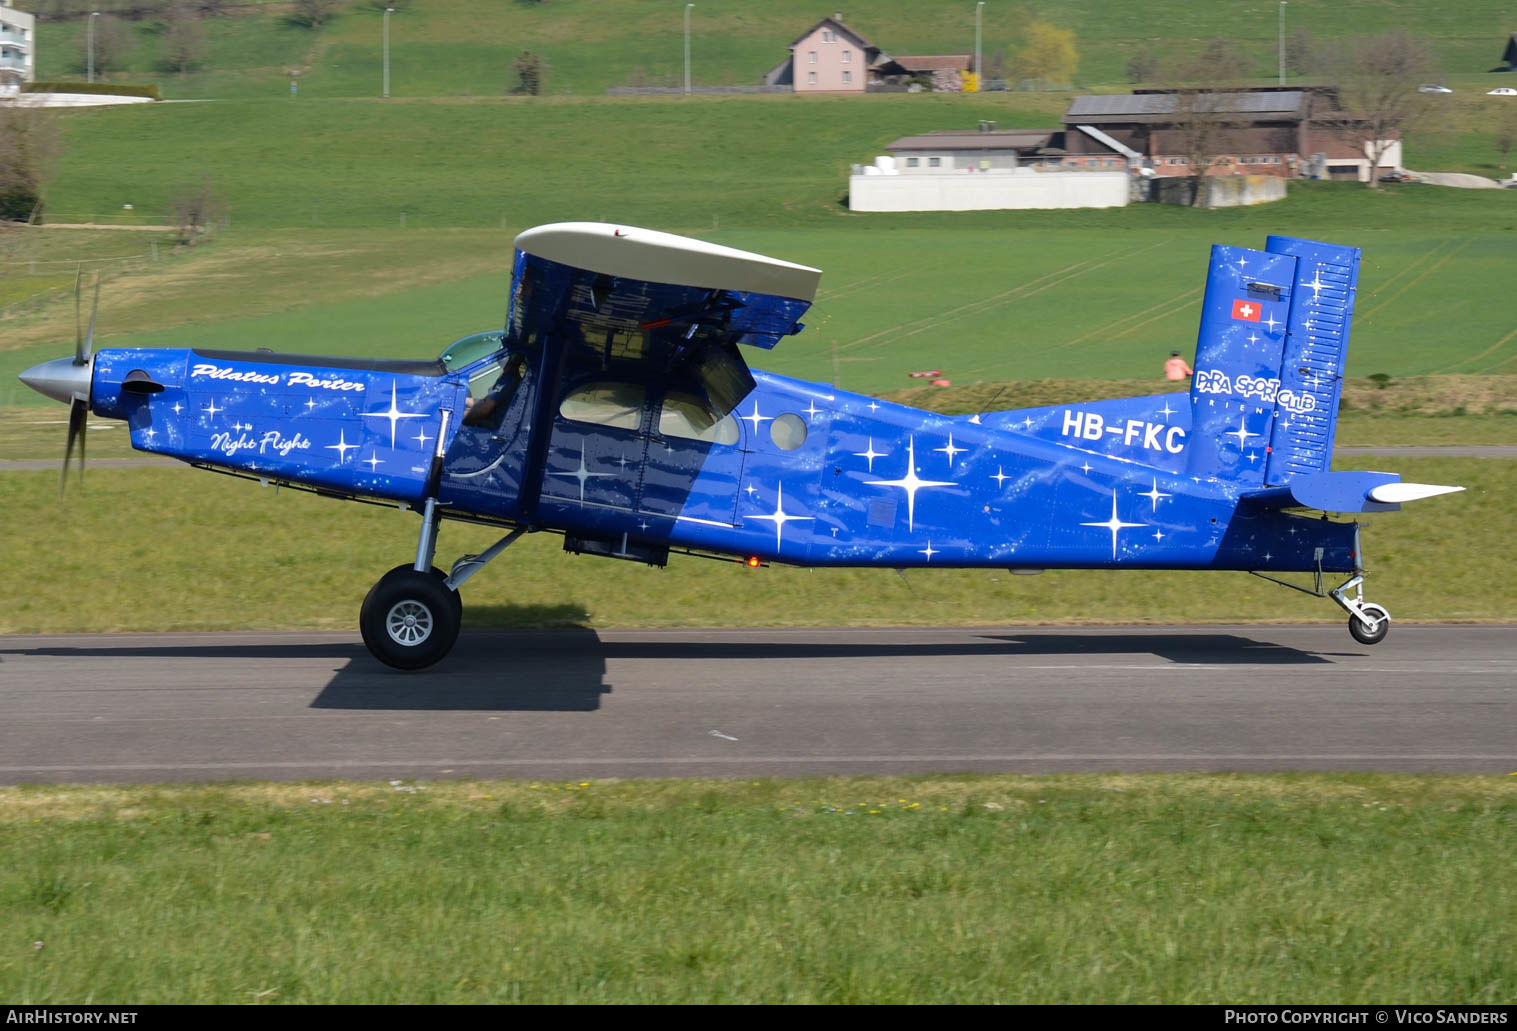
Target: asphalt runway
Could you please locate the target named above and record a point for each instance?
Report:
(746, 703)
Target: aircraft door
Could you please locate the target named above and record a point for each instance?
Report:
(594, 462)
(694, 461)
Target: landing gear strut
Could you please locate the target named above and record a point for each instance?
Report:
(410, 618)
(1368, 623)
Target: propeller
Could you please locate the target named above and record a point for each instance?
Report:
(79, 407)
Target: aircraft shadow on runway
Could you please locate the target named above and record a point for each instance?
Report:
(564, 670)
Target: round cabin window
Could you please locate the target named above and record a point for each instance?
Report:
(788, 432)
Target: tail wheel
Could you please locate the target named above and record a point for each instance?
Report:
(410, 620)
(1370, 633)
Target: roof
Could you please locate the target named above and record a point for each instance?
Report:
(999, 139)
(837, 26)
(933, 62)
(1261, 105)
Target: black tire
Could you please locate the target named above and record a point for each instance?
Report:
(1361, 630)
(410, 620)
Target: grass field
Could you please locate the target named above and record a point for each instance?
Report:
(1063, 889)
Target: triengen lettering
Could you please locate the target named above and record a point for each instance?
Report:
(1152, 436)
(209, 370)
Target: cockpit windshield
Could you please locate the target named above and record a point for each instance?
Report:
(471, 349)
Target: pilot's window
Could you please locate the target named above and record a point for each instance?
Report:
(788, 431)
(470, 349)
(606, 404)
(687, 416)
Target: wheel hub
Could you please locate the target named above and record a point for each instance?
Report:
(409, 623)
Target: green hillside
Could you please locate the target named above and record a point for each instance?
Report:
(465, 47)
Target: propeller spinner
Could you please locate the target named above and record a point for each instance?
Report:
(68, 380)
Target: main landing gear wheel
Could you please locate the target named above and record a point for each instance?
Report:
(410, 620)
(1373, 628)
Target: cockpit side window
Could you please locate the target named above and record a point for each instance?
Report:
(690, 417)
(606, 403)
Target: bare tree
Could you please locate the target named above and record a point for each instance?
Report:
(1379, 94)
(113, 43)
(29, 150)
(1505, 137)
(184, 42)
(1144, 65)
(196, 210)
(314, 13)
(531, 71)
(1301, 52)
(1205, 114)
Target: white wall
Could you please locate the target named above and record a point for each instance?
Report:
(960, 192)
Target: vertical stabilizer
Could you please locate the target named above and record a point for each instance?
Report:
(1269, 360)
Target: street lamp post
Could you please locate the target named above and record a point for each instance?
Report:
(979, 72)
(687, 46)
(388, 11)
(1282, 42)
(93, 16)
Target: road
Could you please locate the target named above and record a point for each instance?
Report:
(582, 703)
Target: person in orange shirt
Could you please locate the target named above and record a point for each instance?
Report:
(1176, 368)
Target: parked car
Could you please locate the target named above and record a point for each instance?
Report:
(1399, 177)
(1433, 87)
(1501, 91)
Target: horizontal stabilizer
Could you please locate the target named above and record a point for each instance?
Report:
(1345, 492)
(1396, 493)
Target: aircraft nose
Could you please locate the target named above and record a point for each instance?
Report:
(62, 379)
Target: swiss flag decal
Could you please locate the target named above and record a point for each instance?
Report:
(1247, 310)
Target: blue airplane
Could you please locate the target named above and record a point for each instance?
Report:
(616, 409)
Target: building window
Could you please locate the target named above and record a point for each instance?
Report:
(847, 56)
(811, 57)
(934, 162)
(847, 78)
(913, 162)
(811, 78)
(827, 36)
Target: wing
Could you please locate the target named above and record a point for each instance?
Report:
(588, 296)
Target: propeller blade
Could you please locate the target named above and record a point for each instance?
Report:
(78, 411)
(82, 355)
(78, 326)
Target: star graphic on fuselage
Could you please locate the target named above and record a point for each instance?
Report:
(342, 447)
(394, 414)
(581, 474)
(871, 454)
(780, 517)
(1114, 524)
(950, 450)
(910, 483)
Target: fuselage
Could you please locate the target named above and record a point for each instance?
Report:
(798, 472)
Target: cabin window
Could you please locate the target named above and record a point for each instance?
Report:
(788, 431)
(689, 417)
(606, 404)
